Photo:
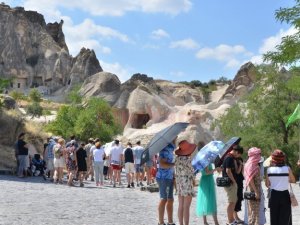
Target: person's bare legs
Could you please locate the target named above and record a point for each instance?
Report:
(205, 220)
(215, 217)
(180, 209)
(236, 216)
(169, 207)
(148, 172)
(230, 210)
(70, 180)
(187, 200)
(161, 210)
(119, 176)
(61, 174)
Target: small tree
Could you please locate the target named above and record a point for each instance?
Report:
(35, 110)
(35, 95)
(17, 96)
(74, 96)
(4, 83)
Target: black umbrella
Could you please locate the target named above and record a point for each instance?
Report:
(161, 140)
(227, 148)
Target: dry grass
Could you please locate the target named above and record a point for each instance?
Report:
(7, 157)
(36, 135)
(45, 104)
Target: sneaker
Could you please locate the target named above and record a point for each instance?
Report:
(141, 184)
(114, 185)
(137, 185)
(171, 224)
(92, 179)
(81, 185)
(128, 185)
(132, 184)
(44, 176)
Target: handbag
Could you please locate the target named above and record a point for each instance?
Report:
(249, 195)
(294, 201)
(223, 181)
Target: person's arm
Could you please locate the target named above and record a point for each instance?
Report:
(238, 167)
(230, 175)
(208, 171)
(267, 182)
(252, 185)
(291, 176)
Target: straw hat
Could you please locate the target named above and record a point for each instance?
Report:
(185, 148)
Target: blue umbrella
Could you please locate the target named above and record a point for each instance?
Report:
(161, 140)
(207, 155)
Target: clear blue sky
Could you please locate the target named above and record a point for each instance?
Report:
(169, 39)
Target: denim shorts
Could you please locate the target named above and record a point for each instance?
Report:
(138, 168)
(166, 187)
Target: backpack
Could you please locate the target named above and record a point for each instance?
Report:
(57, 151)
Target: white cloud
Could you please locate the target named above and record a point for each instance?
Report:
(159, 34)
(270, 43)
(116, 7)
(117, 69)
(224, 53)
(88, 34)
(185, 44)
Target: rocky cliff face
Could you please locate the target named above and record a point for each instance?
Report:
(35, 53)
(141, 101)
(242, 82)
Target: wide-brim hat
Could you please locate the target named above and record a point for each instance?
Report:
(185, 148)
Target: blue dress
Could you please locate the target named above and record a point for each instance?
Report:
(206, 198)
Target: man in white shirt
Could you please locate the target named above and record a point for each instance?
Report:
(139, 170)
(115, 157)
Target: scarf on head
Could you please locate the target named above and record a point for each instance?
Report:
(251, 166)
(278, 157)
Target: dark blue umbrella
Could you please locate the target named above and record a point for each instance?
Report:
(227, 148)
(162, 139)
(207, 155)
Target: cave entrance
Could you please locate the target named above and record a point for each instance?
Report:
(140, 120)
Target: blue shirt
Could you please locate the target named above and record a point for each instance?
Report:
(166, 153)
(50, 151)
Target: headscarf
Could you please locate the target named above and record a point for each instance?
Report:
(278, 158)
(251, 166)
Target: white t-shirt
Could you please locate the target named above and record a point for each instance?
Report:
(98, 154)
(279, 178)
(137, 153)
(92, 149)
(115, 154)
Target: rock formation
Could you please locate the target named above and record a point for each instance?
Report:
(34, 53)
(242, 82)
(141, 101)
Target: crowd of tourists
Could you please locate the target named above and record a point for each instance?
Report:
(172, 169)
(92, 161)
(177, 171)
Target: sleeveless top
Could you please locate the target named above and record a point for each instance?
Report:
(279, 178)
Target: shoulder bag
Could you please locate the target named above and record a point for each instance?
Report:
(249, 195)
(223, 181)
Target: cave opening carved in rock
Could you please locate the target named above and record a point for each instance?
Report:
(140, 121)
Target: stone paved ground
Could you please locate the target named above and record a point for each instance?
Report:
(34, 201)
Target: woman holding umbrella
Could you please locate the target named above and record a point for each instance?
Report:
(206, 199)
(184, 180)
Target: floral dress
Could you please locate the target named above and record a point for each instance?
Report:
(70, 158)
(184, 176)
